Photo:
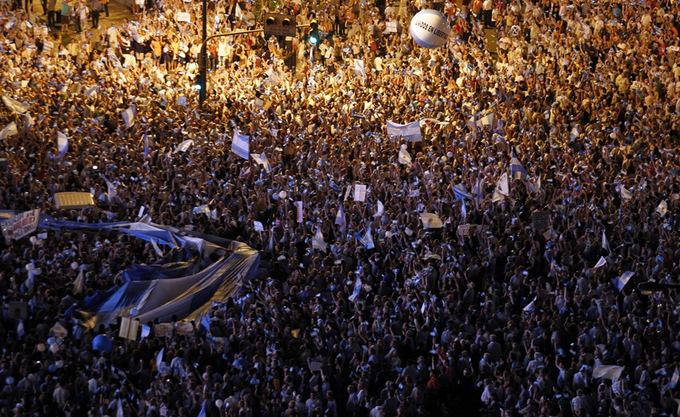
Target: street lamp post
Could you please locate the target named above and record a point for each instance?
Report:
(203, 64)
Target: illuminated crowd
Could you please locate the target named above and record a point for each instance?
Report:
(578, 101)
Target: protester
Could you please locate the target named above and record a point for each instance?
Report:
(548, 155)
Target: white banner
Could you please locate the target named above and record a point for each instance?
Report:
(409, 131)
(20, 225)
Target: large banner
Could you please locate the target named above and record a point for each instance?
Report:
(20, 225)
(409, 131)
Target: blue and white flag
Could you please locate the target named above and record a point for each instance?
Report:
(517, 171)
(409, 131)
(461, 193)
(119, 408)
(357, 290)
(605, 242)
(621, 281)
(205, 322)
(159, 358)
(530, 307)
(366, 239)
(600, 263)
(463, 211)
(340, 219)
(240, 145)
(261, 159)
(404, 157)
(111, 192)
(62, 144)
(202, 413)
(477, 191)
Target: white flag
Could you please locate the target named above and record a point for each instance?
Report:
(62, 144)
(379, 210)
(240, 145)
(662, 208)
(318, 242)
(8, 131)
(258, 226)
(359, 67)
(15, 105)
(625, 194)
(600, 263)
(129, 116)
(612, 372)
(360, 192)
(621, 281)
(184, 146)
(502, 188)
(404, 156)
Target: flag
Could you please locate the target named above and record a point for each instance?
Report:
(62, 144)
(463, 210)
(159, 358)
(238, 13)
(409, 131)
(79, 283)
(202, 413)
(8, 131)
(674, 379)
(129, 116)
(517, 171)
(146, 145)
(318, 242)
(404, 157)
(600, 263)
(477, 191)
(529, 307)
(662, 208)
(146, 331)
(379, 210)
(15, 105)
(340, 219)
(261, 159)
(205, 322)
(357, 290)
(461, 193)
(359, 67)
(240, 145)
(621, 281)
(156, 248)
(111, 192)
(119, 408)
(184, 146)
(605, 242)
(502, 188)
(258, 226)
(612, 372)
(366, 239)
(625, 194)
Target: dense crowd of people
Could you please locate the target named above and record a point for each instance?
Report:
(578, 100)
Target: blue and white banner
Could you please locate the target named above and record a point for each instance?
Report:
(410, 131)
(240, 145)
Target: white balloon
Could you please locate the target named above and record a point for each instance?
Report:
(429, 28)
